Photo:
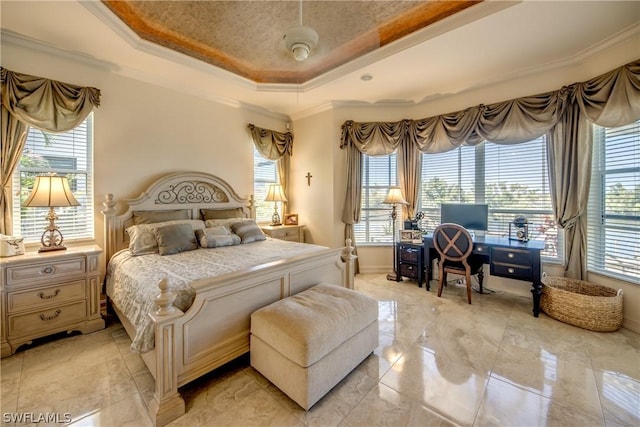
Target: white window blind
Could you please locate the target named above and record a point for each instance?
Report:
(378, 174)
(69, 154)
(512, 179)
(614, 203)
(265, 173)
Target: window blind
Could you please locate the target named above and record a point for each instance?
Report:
(378, 174)
(69, 154)
(265, 173)
(511, 178)
(614, 203)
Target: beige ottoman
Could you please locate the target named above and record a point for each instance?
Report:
(307, 343)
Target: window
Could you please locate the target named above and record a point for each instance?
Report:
(69, 154)
(512, 179)
(265, 172)
(378, 174)
(614, 203)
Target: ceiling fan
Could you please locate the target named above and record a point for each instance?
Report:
(300, 40)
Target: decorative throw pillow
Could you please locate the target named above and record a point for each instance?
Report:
(152, 217)
(221, 213)
(224, 222)
(248, 231)
(142, 238)
(216, 240)
(175, 238)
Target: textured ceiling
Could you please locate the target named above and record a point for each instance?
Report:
(246, 37)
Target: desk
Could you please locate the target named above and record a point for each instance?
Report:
(506, 258)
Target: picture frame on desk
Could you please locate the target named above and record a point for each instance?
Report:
(291, 219)
(406, 236)
(416, 237)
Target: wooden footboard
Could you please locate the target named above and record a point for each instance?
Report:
(215, 329)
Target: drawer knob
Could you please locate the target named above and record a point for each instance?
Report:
(511, 270)
(43, 296)
(48, 270)
(510, 255)
(53, 316)
(480, 249)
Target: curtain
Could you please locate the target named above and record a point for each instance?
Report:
(277, 146)
(48, 105)
(612, 99)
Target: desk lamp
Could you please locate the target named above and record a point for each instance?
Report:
(393, 198)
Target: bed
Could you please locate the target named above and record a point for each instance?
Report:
(198, 318)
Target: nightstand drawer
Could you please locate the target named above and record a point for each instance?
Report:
(43, 297)
(409, 270)
(45, 320)
(47, 271)
(409, 254)
(286, 234)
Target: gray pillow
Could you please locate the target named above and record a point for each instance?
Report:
(175, 238)
(221, 213)
(248, 231)
(150, 217)
(206, 240)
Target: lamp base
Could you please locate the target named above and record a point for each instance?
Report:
(52, 248)
(394, 276)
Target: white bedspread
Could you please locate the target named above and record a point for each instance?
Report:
(132, 281)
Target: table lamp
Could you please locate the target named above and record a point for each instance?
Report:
(51, 191)
(275, 195)
(393, 198)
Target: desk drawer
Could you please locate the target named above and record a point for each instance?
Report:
(481, 248)
(511, 256)
(409, 270)
(512, 271)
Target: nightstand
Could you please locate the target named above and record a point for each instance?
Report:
(49, 292)
(410, 259)
(293, 233)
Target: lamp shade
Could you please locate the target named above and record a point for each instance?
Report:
(51, 191)
(395, 196)
(275, 194)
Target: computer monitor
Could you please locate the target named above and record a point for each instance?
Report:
(471, 216)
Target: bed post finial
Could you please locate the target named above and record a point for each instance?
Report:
(252, 206)
(164, 300)
(349, 259)
(109, 213)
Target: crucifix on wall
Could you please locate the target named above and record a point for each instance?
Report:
(309, 176)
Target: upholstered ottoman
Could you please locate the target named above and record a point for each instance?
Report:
(307, 343)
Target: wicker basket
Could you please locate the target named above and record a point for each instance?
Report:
(583, 304)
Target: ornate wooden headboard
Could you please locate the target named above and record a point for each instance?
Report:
(190, 191)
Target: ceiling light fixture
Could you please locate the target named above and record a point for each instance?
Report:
(366, 77)
(300, 40)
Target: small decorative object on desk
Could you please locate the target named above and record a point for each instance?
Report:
(291, 219)
(416, 237)
(519, 229)
(11, 246)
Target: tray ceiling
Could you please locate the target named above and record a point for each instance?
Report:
(246, 37)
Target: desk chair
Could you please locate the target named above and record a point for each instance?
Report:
(454, 246)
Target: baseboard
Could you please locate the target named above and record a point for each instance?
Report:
(375, 269)
(631, 325)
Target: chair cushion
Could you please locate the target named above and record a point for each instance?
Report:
(307, 326)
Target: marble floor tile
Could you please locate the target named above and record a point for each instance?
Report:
(507, 405)
(439, 362)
